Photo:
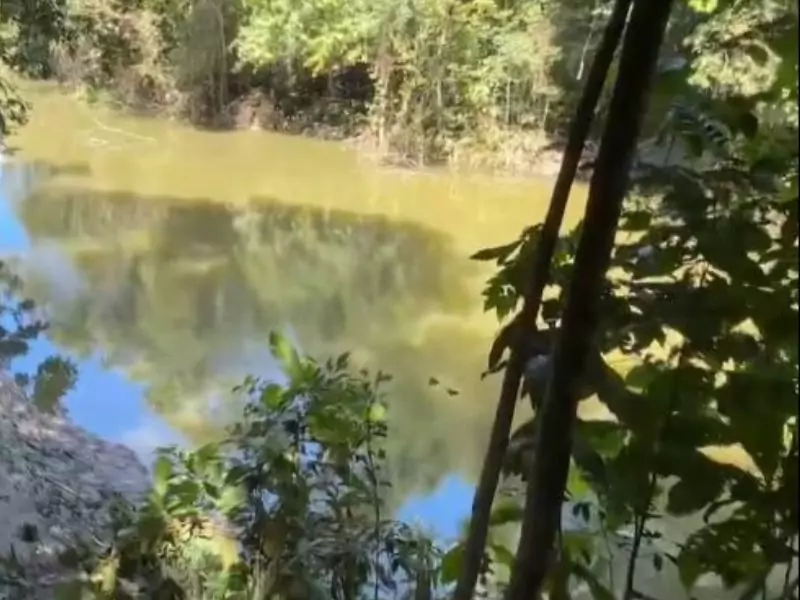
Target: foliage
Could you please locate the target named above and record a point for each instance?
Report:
(441, 70)
(426, 80)
(29, 27)
(486, 82)
(13, 108)
(290, 503)
(20, 325)
(702, 298)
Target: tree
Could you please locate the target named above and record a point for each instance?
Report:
(548, 479)
(693, 233)
(514, 336)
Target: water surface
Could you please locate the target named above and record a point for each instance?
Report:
(165, 255)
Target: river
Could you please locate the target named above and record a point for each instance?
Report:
(165, 255)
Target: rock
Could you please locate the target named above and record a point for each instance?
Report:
(59, 486)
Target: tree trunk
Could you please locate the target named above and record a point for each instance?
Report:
(547, 482)
(498, 442)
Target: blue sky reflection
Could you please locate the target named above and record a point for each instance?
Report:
(108, 403)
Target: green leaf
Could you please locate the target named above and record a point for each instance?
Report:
(758, 424)
(151, 526)
(283, 351)
(630, 471)
(730, 549)
(604, 437)
(703, 6)
(184, 495)
(503, 340)
(343, 361)
(69, 590)
(377, 413)
(231, 498)
(211, 490)
(756, 587)
(637, 220)
(682, 499)
(640, 377)
(579, 544)
(162, 473)
(205, 454)
(786, 45)
(498, 254)
(505, 512)
(451, 563)
(236, 474)
(577, 486)
(272, 396)
(701, 480)
(689, 569)
(748, 124)
(591, 465)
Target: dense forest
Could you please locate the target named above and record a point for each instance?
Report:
(488, 83)
(689, 268)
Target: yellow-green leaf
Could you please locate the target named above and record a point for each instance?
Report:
(162, 472)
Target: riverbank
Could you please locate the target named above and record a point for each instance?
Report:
(493, 151)
(474, 87)
(59, 489)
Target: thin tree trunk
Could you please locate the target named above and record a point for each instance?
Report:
(508, 102)
(498, 442)
(546, 483)
(587, 42)
(545, 114)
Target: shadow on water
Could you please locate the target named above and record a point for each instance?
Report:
(181, 295)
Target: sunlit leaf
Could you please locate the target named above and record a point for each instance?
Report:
(272, 396)
(106, 574)
(577, 486)
(591, 465)
(703, 6)
(504, 513)
(283, 351)
(377, 413)
(450, 567)
(162, 473)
